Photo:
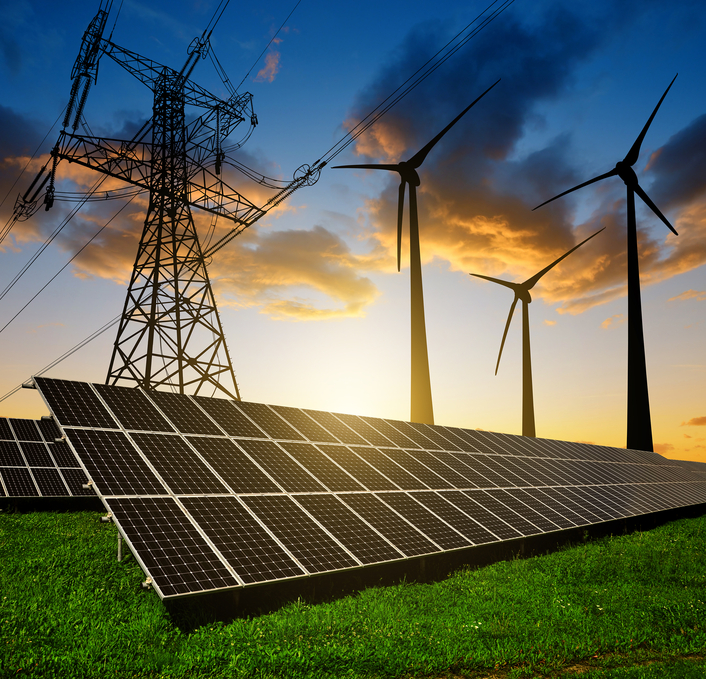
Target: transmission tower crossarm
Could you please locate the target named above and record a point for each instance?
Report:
(149, 72)
(126, 160)
(130, 161)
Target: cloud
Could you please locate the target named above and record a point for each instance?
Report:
(549, 323)
(263, 269)
(690, 294)
(271, 68)
(679, 167)
(268, 72)
(617, 319)
(663, 448)
(477, 192)
(695, 422)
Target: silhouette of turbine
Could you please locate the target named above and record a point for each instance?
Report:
(522, 291)
(639, 429)
(421, 402)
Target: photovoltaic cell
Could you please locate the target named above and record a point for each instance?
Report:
(307, 541)
(390, 432)
(49, 482)
(18, 482)
(434, 461)
(405, 459)
(271, 423)
(413, 434)
(62, 454)
(331, 423)
(304, 424)
(49, 430)
(244, 543)
(463, 523)
(183, 413)
(393, 471)
(477, 473)
(418, 515)
(280, 466)
(513, 501)
(177, 465)
(358, 468)
(75, 404)
(436, 434)
(114, 465)
(228, 417)
(5, 431)
(132, 408)
(240, 473)
(540, 505)
(460, 438)
(490, 521)
(177, 557)
(490, 500)
(25, 430)
(75, 480)
(10, 454)
(319, 465)
(362, 428)
(470, 478)
(569, 507)
(390, 524)
(36, 454)
(358, 537)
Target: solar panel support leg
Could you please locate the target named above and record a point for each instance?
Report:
(120, 547)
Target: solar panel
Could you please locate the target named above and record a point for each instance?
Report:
(212, 494)
(33, 464)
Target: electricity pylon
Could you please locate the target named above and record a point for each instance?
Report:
(170, 333)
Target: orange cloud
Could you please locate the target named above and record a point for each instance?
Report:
(695, 422)
(293, 275)
(690, 294)
(268, 72)
(618, 319)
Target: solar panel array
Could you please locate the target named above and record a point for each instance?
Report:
(33, 463)
(213, 494)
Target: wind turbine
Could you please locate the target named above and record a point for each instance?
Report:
(639, 435)
(522, 291)
(421, 402)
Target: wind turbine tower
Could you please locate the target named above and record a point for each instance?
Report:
(639, 434)
(522, 292)
(421, 409)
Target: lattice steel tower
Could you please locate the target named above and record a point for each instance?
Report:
(170, 333)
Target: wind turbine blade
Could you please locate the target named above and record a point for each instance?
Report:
(418, 158)
(530, 282)
(507, 284)
(378, 166)
(507, 327)
(647, 200)
(400, 211)
(634, 152)
(612, 173)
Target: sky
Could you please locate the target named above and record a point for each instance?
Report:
(313, 308)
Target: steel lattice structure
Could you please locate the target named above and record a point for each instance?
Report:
(170, 333)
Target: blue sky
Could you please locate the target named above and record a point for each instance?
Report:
(314, 310)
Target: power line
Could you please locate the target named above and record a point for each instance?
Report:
(66, 355)
(268, 45)
(93, 237)
(423, 72)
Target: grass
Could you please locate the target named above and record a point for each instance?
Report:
(621, 607)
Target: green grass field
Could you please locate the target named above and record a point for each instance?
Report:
(628, 606)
